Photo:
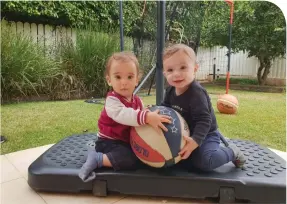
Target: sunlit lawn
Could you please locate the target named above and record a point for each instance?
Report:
(261, 118)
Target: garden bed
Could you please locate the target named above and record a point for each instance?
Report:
(249, 87)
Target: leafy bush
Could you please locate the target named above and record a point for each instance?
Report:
(25, 70)
(64, 69)
(85, 61)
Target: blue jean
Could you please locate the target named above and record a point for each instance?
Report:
(209, 155)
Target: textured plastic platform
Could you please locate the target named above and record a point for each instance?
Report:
(262, 180)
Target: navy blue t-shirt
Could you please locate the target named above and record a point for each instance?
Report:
(195, 107)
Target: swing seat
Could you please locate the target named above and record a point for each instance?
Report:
(262, 180)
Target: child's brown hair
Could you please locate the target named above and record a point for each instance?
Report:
(124, 56)
(168, 52)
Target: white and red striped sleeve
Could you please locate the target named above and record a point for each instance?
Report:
(120, 113)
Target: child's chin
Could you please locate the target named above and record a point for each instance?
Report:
(128, 95)
(179, 85)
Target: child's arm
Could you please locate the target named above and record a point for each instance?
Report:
(154, 119)
(201, 115)
(120, 113)
(202, 119)
(128, 116)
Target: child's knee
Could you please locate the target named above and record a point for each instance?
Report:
(204, 163)
(123, 162)
(126, 164)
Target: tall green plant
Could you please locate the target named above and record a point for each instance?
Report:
(25, 70)
(85, 60)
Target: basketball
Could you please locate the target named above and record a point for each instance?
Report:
(160, 149)
(227, 104)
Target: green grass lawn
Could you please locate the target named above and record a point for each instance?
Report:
(261, 118)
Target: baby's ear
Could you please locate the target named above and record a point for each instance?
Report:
(108, 80)
(164, 73)
(196, 67)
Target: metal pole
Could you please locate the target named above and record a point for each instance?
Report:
(229, 47)
(121, 26)
(160, 47)
(228, 65)
(144, 80)
(150, 86)
(165, 38)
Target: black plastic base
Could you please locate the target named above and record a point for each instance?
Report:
(263, 179)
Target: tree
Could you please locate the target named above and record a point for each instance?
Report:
(185, 26)
(192, 19)
(103, 14)
(258, 28)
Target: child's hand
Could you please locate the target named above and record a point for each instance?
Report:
(156, 120)
(188, 147)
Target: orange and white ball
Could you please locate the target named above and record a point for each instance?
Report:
(227, 104)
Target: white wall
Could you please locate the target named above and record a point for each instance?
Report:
(240, 64)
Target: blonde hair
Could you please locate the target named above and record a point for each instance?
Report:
(124, 56)
(168, 52)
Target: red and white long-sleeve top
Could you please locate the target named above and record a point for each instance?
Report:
(119, 115)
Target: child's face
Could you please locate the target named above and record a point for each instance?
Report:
(123, 77)
(179, 70)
